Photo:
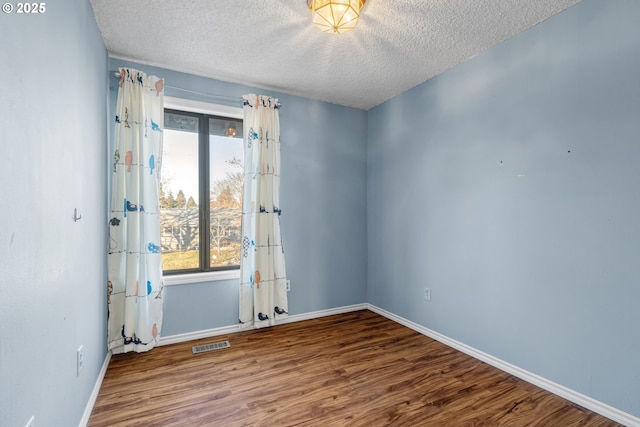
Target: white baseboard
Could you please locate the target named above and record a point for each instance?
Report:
(224, 330)
(323, 313)
(190, 336)
(94, 394)
(557, 389)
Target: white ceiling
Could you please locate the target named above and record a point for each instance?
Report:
(271, 44)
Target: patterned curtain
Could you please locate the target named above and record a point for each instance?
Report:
(134, 263)
(263, 293)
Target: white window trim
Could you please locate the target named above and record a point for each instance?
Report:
(202, 107)
(216, 110)
(206, 276)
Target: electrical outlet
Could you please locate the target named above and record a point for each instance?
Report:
(427, 294)
(79, 361)
(288, 285)
(31, 422)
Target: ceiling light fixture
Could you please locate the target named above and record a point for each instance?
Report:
(335, 16)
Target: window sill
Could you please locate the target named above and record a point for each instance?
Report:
(211, 276)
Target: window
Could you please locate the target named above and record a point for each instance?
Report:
(201, 192)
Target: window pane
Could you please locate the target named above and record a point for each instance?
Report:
(175, 121)
(179, 220)
(225, 126)
(225, 178)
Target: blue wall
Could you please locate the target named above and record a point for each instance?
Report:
(53, 133)
(323, 205)
(510, 186)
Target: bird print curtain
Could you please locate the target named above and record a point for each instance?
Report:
(134, 286)
(263, 293)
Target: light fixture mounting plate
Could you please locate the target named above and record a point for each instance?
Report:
(310, 3)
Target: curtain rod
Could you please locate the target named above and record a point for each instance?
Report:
(222, 97)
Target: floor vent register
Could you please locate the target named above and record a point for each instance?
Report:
(210, 347)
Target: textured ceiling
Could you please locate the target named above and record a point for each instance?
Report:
(271, 44)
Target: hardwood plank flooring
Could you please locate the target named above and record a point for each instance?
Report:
(353, 369)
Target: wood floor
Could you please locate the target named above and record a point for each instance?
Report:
(354, 369)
